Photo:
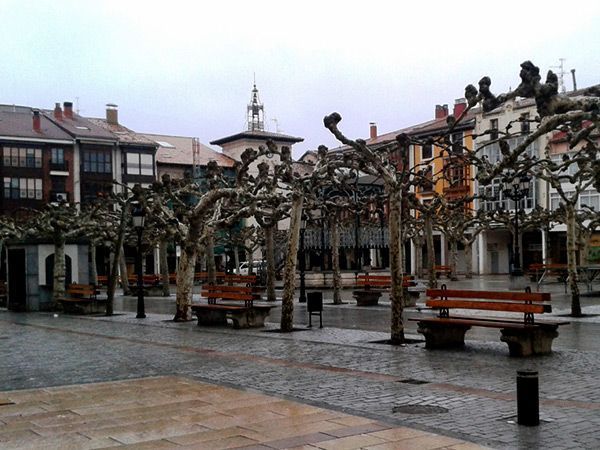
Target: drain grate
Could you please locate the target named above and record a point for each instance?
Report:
(419, 409)
(6, 403)
(413, 381)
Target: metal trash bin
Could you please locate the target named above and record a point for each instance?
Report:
(314, 305)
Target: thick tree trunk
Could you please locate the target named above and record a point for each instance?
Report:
(453, 259)
(468, 259)
(572, 259)
(289, 275)
(270, 253)
(164, 268)
(118, 263)
(93, 265)
(123, 271)
(185, 283)
(430, 250)
(418, 244)
(335, 259)
(58, 290)
(396, 268)
(211, 267)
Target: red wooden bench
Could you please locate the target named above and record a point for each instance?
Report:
(524, 337)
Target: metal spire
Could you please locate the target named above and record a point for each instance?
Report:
(255, 111)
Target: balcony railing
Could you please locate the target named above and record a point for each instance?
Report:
(62, 166)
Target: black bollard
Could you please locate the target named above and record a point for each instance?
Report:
(528, 401)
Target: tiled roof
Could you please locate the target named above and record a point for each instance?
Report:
(80, 127)
(179, 150)
(18, 122)
(123, 134)
(258, 135)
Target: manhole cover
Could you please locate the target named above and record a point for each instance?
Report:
(413, 381)
(419, 409)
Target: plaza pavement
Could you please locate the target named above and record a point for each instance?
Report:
(354, 380)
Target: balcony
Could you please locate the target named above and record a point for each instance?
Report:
(59, 168)
(457, 177)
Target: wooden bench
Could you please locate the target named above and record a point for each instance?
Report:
(524, 337)
(441, 269)
(202, 277)
(239, 307)
(368, 288)
(82, 299)
(246, 280)
(539, 272)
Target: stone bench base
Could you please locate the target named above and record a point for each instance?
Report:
(537, 341)
(242, 317)
(367, 298)
(522, 340)
(83, 306)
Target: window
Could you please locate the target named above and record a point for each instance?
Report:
(590, 199)
(494, 129)
(140, 164)
(457, 143)
(97, 161)
(426, 181)
(16, 188)
(22, 157)
(426, 151)
(58, 156)
(525, 123)
(92, 190)
(554, 201)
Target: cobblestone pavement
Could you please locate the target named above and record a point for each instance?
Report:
(467, 394)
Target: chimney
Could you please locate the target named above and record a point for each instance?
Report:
(460, 104)
(574, 80)
(441, 111)
(37, 121)
(112, 114)
(68, 109)
(373, 130)
(58, 115)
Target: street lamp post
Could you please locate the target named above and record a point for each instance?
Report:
(138, 216)
(516, 188)
(302, 255)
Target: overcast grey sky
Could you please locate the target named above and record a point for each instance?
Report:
(186, 68)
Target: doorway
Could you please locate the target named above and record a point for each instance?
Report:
(17, 283)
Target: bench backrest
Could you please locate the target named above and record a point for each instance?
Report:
(81, 290)
(381, 281)
(225, 292)
(528, 303)
(243, 279)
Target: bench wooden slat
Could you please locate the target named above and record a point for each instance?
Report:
(218, 307)
(228, 296)
(227, 288)
(490, 295)
(490, 306)
(482, 323)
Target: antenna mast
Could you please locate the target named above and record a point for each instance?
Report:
(561, 75)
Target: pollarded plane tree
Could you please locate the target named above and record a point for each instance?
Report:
(272, 183)
(193, 211)
(338, 204)
(60, 223)
(10, 228)
(396, 178)
(575, 171)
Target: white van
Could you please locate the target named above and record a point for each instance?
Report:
(256, 267)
